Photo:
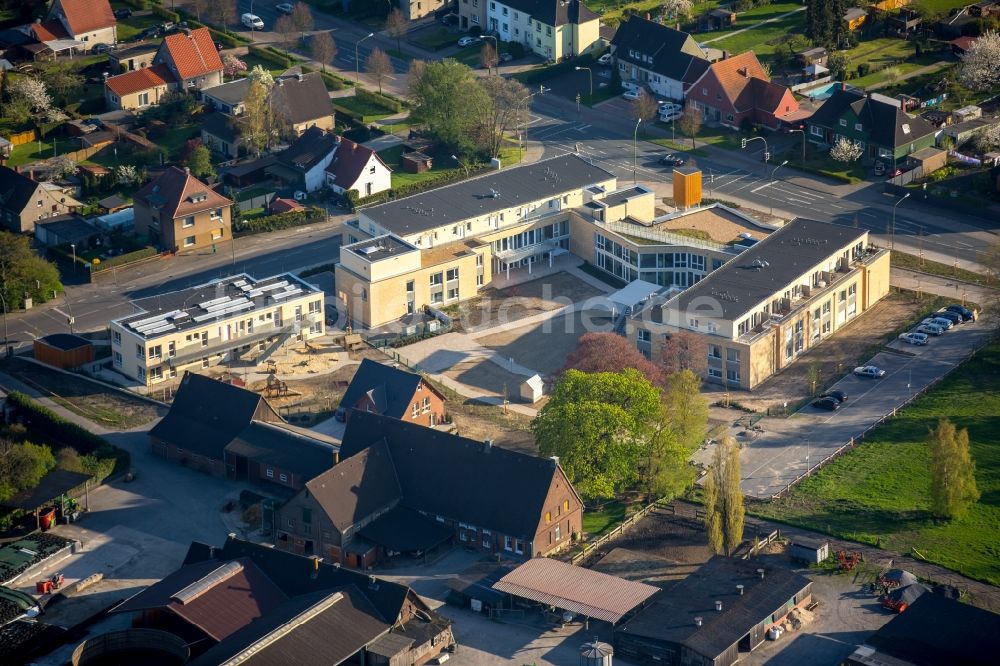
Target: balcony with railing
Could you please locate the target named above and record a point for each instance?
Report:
(660, 237)
(261, 332)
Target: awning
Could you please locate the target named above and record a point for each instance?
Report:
(404, 530)
(510, 256)
(53, 485)
(58, 45)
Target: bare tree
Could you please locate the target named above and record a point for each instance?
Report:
(396, 25)
(323, 48)
(645, 107)
(198, 6)
(488, 56)
(379, 65)
(690, 123)
(222, 12)
(302, 18)
(502, 111)
(285, 28)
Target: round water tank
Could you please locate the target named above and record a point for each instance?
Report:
(596, 653)
(150, 647)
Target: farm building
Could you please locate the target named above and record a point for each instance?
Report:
(810, 551)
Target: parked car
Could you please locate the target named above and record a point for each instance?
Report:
(149, 33)
(946, 324)
(285, 8)
(449, 19)
(953, 317)
(632, 95)
(100, 48)
(967, 314)
(506, 57)
(673, 159)
(669, 106)
(604, 59)
(829, 403)
(469, 40)
(670, 115)
(914, 338)
(122, 13)
(252, 21)
(930, 329)
(340, 414)
(872, 371)
(838, 395)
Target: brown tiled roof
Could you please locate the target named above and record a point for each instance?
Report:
(734, 74)
(139, 80)
(172, 193)
(193, 54)
(48, 31)
(280, 205)
(348, 162)
(357, 487)
(765, 95)
(87, 15)
(302, 100)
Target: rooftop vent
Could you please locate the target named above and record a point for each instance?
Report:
(697, 621)
(718, 606)
(555, 460)
(739, 588)
(760, 572)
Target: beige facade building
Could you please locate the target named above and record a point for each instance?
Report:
(180, 213)
(553, 29)
(417, 9)
(237, 319)
(778, 299)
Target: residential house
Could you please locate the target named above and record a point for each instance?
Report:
(472, 13)
(359, 168)
(552, 29)
(228, 97)
(854, 17)
(401, 487)
(417, 9)
(668, 61)
(226, 430)
(904, 23)
(131, 57)
(304, 101)
(89, 21)
(25, 201)
(387, 390)
(985, 8)
(224, 321)
(221, 133)
(185, 61)
(180, 213)
(719, 18)
(875, 121)
(303, 164)
(245, 603)
(962, 22)
(737, 90)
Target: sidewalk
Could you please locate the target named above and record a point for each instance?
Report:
(942, 286)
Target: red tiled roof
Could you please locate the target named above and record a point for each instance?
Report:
(48, 31)
(767, 96)
(87, 15)
(193, 54)
(285, 205)
(172, 191)
(139, 80)
(735, 73)
(964, 42)
(348, 162)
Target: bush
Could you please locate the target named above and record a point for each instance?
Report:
(166, 14)
(137, 4)
(271, 57)
(863, 69)
(388, 102)
(516, 49)
(287, 220)
(128, 257)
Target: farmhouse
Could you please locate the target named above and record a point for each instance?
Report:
(389, 391)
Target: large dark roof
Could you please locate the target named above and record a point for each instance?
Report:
(390, 389)
(16, 189)
(884, 121)
(474, 197)
(404, 530)
(302, 99)
(206, 415)
(554, 12)
(357, 487)
(278, 446)
(740, 285)
(937, 631)
(672, 51)
(671, 616)
(222, 126)
(57, 482)
(231, 93)
(309, 149)
(448, 475)
(65, 341)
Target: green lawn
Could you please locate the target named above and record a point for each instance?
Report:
(719, 137)
(364, 107)
(763, 40)
(614, 9)
(916, 263)
(880, 490)
(129, 29)
(438, 40)
(822, 164)
(596, 523)
(36, 151)
(442, 166)
(879, 50)
(901, 70)
(252, 59)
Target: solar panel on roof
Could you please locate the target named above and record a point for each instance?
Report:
(208, 304)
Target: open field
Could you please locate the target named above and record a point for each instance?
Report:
(765, 39)
(878, 493)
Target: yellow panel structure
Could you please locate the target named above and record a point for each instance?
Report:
(687, 187)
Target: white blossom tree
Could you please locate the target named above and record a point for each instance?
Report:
(677, 8)
(988, 139)
(980, 68)
(231, 65)
(62, 166)
(126, 174)
(33, 92)
(845, 150)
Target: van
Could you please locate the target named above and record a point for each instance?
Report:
(252, 21)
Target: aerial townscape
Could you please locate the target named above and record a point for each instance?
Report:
(483, 332)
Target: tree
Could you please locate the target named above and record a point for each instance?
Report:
(22, 466)
(988, 139)
(62, 166)
(990, 259)
(126, 174)
(24, 273)
(223, 12)
(845, 150)
(302, 18)
(198, 6)
(953, 472)
(62, 82)
(379, 65)
(812, 378)
(684, 350)
(677, 8)
(448, 101)
(285, 29)
(724, 510)
(323, 48)
(69, 459)
(824, 21)
(838, 63)
(598, 424)
(500, 111)
(610, 352)
(488, 57)
(199, 161)
(396, 26)
(259, 119)
(645, 107)
(980, 68)
(232, 66)
(685, 409)
(32, 92)
(690, 123)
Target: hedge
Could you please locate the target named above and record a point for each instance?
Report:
(410, 188)
(41, 419)
(294, 218)
(166, 14)
(385, 101)
(332, 81)
(127, 258)
(137, 4)
(271, 56)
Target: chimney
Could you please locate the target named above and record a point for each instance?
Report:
(760, 572)
(336, 457)
(489, 445)
(725, 55)
(555, 460)
(231, 535)
(718, 606)
(697, 621)
(300, 76)
(739, 588)
(187, 170)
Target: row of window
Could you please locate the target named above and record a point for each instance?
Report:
(421, 407)
(732, 375)
(188, 222)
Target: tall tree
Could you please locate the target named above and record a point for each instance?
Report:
(500, 111)
(322, 48)
(198, 6)
(199, 161)
(379, 65)
(63, 82)
(684, 350)
(396, 26)
(690, 123)
(284, 27)
(488, 57)
(302, 18)
(598, 423)
(685, 409)
(259, 119)
(610, 352)
(22, 466)
(448, 101)
(24, 273)
(980, 68)
(725, 514)
(953, 472)
(645, 107)
(846, 150)
(223, 12)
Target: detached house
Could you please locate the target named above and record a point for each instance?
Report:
(401, 487)
(875, 121)
(180, 213)
(303, 164)
(382, 389)
(737, 89)
(186, 61)
(359, 168)
(654, 55)
(24, 201)
(89, 21)
(553, 29)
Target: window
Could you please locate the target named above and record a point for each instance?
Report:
(843, 122)
(437, 297)
(815, 130)
(427, 404)
(189, 241)
(453, 293)
(409, 286)
(284, 477)
(715, 373)
(140, 352)
(733, 376)
(704, 92)
(155, 352)
(733, 355)
(565, 505)
(416, 410)
(187, 222)
(116, 337)
(270, 475)
(437, 279)
(714, 351)
(452, 274)
(204, 362)
(558, 533)
(507, 543)
(204, 338)
(859, 127)
(118, 359)
(216, 214)
(548, 516)
(519, 547)
(644, 335)
(143, 98)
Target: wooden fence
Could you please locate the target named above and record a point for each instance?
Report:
(626, 524)
(23, 137)
(86, 153)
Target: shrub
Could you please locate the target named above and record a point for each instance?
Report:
(137, 4)
(166, 14)
(387, 102)
(128, 257)
(287, 220)
(863, 69)
(270, 57)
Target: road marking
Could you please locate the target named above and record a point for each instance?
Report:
(757, 189)
(582, 127)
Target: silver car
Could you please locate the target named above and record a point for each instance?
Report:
(930, 329)
(939, 321)
(914, 338)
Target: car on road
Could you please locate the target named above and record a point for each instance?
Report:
(872, 371)
(100, 48)
(506, 57)
(285, 8)
(604, 59)
(252, 21)
(838, 395)
(469, 40)
(930, 329)
(122, 13)
(914, 338)
(669, 106)
(670, 115)
(632, 95)
(340, 414)
(946, 324)
(829, 403)
(673, 159)
(953, 317)
(967, 314)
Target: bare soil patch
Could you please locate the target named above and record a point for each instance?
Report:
(478, 421)
(545, 346)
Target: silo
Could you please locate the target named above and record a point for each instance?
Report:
(596, 653)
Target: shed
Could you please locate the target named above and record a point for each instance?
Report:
(810, 551)
(970, 112)
(122, 220)
(113, 204)
(63, 350)
(929, 159)
(532, 389)
(415, 162)
(63, 230)
(53, 487)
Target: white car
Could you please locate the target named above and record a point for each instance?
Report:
(669, 106)
(930, 329)
(914, 338)
(604, 59)
(632, 95)
(670, 115)
(872, 371)
(468, 41)
(946, 324)
(252, 21)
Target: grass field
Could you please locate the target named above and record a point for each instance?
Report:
(879, 492)
(363, 107)
(442, 165)
(596, 523)
(914, 262)
(438, 40)
(614, 9)
(129, 29)
(763, 40)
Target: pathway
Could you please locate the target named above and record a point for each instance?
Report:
(928, 69)
(755, 25)
(942, 286)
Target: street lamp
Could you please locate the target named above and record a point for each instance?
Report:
(590, 74)
(496, 55)
(73, 245)
(892, 230)
(357, 65)
(773, 171)
(807, 454)
(4, 299)
(635, 143)
(520, 150)
(462, 164)
(803, 133)
(767, 155)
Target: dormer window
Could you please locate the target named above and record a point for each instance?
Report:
(198, 197)
(906, 129)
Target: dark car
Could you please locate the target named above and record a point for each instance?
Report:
(828, 403)
(672, 159)
(966, 313)
(122, 13)
(953, 317)
(149, 33)
(340, 414)
(450, 19)
(839, 396)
